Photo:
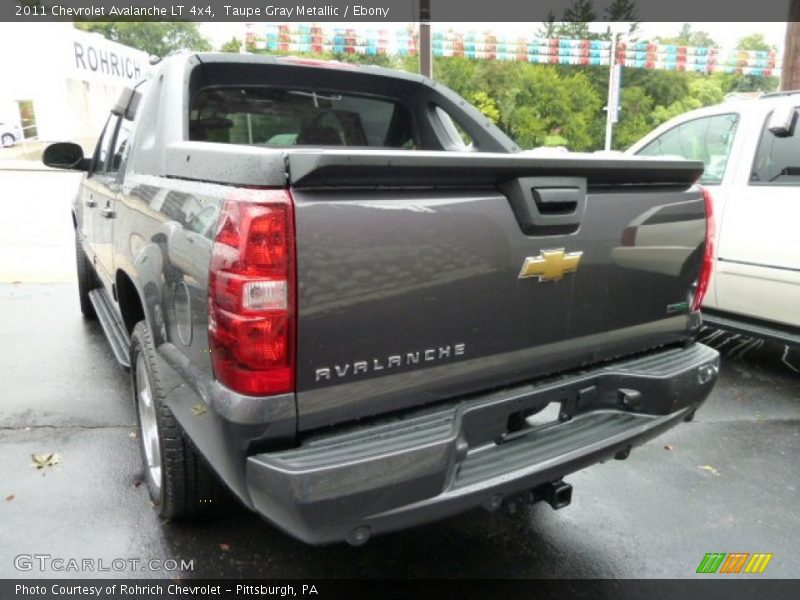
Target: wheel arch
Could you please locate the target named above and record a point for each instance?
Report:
(139, 300)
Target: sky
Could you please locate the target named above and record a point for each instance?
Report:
(726, 34)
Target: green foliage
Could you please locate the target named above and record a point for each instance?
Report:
(534, 104)
(154, 37)
(687, 37)
(486, 104)
(233, 45)
(637, 116)
(755, 41)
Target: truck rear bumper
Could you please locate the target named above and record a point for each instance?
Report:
(394, 474)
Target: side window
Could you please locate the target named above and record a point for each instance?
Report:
(458, 138)
(708, 139)
(103, 145)
(777, 159)
(120, 148)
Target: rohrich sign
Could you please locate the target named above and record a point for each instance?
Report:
(95, 57)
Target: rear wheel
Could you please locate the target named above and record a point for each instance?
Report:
(86, 279)
(8, 140)
(180, 483)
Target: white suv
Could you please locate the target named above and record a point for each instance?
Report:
(751, 149)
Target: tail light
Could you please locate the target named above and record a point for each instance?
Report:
(251, 293)
(708, 253)
(629, 236)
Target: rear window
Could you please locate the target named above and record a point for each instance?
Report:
(706, 138)
(298, 117)
(777, 160)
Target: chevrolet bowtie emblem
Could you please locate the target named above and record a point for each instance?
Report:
(550, 265)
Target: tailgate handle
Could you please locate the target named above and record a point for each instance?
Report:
(556, 200)
(547, 205)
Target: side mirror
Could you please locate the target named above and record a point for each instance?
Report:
(65, 155)
(782, 121)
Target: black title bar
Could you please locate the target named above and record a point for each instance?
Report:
(711, 588)
(383, 10)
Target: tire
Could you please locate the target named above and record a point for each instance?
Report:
(8, 140)
(86, 279)
(180, 483)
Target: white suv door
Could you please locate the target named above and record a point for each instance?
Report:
(757, 273)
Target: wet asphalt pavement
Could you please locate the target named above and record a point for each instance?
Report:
(727, 482)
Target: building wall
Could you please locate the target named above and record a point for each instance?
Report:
(72, 77)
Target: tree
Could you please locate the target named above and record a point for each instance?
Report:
(636, 116)
(621, 10)
(486, 104)
(755, 41)
(577, 17)
(624, 11)
(154, 37)
(233, 45)
(549, 27)
(687, 37)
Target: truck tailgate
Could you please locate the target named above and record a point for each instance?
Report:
(433, 282)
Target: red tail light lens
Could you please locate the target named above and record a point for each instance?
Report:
(251, 288)
(629, 236)
(708, 253)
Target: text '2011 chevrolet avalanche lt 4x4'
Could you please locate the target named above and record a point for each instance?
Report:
(343, 292)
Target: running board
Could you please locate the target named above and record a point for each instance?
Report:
(760, 329)
(112, 326)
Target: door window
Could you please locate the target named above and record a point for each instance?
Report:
(777, 159)
(708, 139)
(120, 147)
(101, 152)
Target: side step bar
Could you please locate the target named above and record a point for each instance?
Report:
(752, 328)
(112, 326)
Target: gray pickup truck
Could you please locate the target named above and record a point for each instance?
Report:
(348, 296)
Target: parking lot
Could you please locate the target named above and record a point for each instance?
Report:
(727, 482)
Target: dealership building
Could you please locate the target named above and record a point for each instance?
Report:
(59, 82)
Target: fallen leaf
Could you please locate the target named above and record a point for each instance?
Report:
(137, 483)
(668, 447)
(40, 461)
(225, 547)
(10, 498)
(199, 409)
(710, 469)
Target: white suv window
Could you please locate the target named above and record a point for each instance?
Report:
(707, 138)
(777, 160)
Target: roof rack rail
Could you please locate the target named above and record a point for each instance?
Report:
(155, 59)
(779, 94)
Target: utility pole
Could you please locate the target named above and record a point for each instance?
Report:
(425, 57)
(612, 104)
(790, 73)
